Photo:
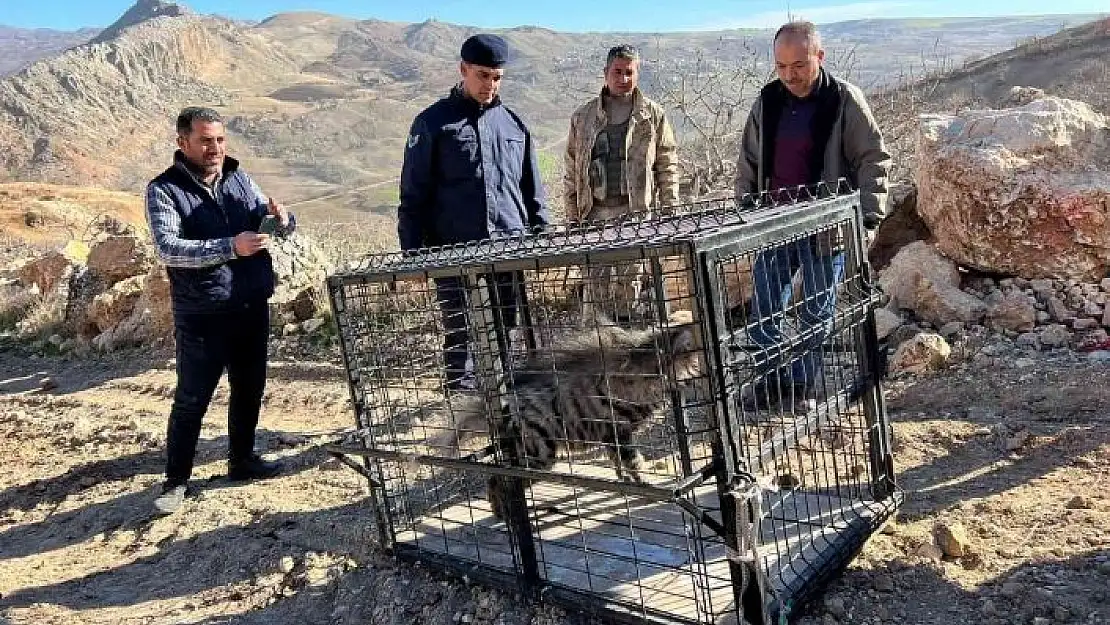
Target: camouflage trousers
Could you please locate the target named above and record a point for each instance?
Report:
(620, 291)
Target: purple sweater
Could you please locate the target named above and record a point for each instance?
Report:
(794, 143)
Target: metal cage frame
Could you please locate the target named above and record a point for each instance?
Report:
(706, 236)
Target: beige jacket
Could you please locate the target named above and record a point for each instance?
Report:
(854, 150)
(651, 159)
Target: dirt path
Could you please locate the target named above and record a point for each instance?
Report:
(81, 462)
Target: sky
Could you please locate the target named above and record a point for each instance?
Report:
(564, 15)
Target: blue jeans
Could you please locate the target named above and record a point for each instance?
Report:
(772, 276)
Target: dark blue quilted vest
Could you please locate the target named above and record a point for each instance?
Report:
(228, 285)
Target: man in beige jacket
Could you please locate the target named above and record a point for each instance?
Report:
(621, 158)
(806, 127)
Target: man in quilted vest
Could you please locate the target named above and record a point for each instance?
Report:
(205, 214)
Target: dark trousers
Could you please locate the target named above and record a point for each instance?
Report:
(208, 344)
(458, 360)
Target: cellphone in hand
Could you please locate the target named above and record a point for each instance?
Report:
(269, 225)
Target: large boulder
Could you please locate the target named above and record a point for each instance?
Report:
(111, 307)
(300, 270)
(1021, 191)
(46, 271)
(117, 257)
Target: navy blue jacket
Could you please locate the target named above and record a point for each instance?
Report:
(209, 278)
(470, 173)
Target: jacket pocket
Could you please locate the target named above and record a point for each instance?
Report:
(512, 159)
(459, 153)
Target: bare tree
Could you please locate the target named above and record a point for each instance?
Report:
(708, 98)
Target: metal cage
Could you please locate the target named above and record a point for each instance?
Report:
(671, 418)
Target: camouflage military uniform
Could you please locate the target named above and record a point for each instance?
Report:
(649, 178)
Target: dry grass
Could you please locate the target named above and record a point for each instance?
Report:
(51, 215)
(43, 317)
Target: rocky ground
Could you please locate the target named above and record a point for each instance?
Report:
(1004, 455)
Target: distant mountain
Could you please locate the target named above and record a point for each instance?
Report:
(318, 106)
(22, 46)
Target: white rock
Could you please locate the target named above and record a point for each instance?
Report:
(1020, 191)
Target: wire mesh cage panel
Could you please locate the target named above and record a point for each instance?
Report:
(674, 419)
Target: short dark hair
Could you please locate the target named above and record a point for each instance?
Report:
(800, 29)
(190, 114)
(623, 51)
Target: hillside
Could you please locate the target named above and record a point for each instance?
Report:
(318, 105)
(1070, 63)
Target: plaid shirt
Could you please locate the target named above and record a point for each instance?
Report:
(165, 227)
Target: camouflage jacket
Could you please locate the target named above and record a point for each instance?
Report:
(651, 159)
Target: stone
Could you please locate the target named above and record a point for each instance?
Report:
(1014, 312)
(1080, 502)
(46, 272)
(111, 307)
(1019, 191)
(287, 564)
(1012, 442)
(902, 334)
(953, 329)
(1029, 339)
(929, 551)
(940, 304)
(835, 606)
(312, 325)
(915, 261)
(1084, 324)
(884, 583)
(113, 258)
(952, 539)
(886, 322)
(1058, 310)
(1105, 285)
(1055, 336)
(924, 352)
(1042, 289)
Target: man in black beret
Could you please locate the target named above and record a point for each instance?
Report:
(470, 173)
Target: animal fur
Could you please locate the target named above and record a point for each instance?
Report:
(596, 387)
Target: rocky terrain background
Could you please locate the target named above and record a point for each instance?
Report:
(994, 266)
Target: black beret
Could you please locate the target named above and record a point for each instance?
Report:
(485, 50)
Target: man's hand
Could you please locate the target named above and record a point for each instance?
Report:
(279, 212)
(249, 243)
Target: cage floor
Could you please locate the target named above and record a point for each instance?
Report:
(646, 556)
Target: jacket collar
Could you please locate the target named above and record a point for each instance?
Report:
(470, 105)
(778, 91)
